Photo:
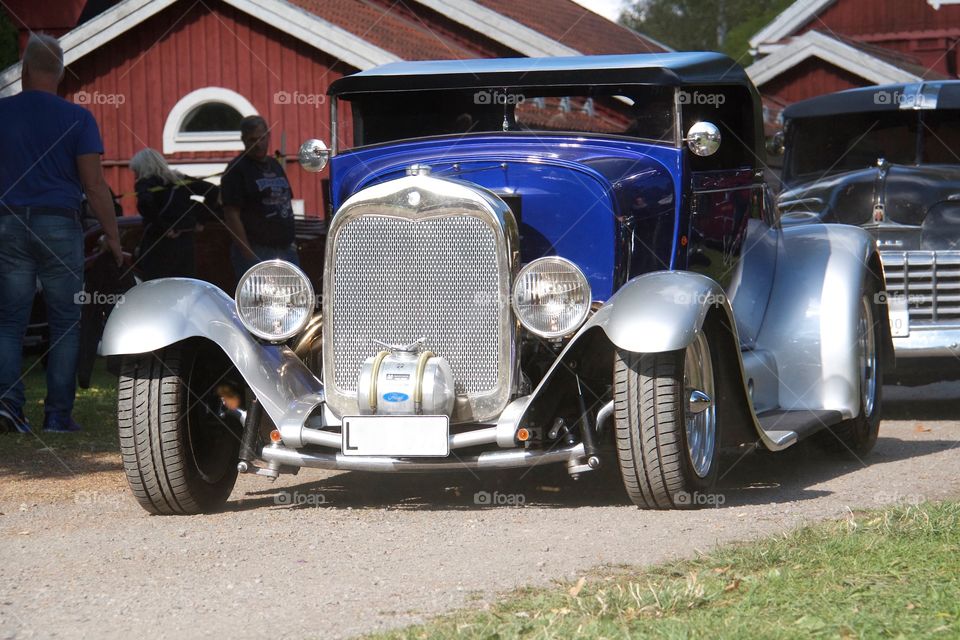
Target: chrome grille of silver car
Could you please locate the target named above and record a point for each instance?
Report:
(396, 280)
(929, 281)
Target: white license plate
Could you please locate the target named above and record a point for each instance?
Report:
(399, 436)
(899, 317)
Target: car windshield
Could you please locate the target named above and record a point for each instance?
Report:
(636, 112)
(832, 144)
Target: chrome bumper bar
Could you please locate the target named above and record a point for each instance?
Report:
(508, 459)
(928, 342)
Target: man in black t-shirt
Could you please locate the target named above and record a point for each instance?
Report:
(257, 202)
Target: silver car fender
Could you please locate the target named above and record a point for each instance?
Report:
(159, 313)
(811, 321)
(659, 311)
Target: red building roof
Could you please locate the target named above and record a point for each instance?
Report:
(575, 26)
(394, 27)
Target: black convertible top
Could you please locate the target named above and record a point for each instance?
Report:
(669, 69)
(943, 94)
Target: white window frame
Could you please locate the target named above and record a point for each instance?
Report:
(175, 140)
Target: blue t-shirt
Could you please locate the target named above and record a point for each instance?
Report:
(42, 136)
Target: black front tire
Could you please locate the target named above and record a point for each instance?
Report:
(179, 453)
(650, 411)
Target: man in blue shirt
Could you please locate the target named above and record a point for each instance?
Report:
(49, 157)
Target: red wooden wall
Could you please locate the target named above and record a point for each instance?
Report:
(812, 77)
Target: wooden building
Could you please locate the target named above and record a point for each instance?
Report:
(820, 46)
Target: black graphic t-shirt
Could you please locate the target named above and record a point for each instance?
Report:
(261, 191)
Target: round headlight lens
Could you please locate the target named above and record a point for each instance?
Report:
(274, 300)
(551, 297)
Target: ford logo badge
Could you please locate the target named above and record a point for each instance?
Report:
(395, 396)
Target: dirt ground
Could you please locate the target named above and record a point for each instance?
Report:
(333, 555)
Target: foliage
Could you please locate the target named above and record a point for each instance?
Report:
(703, 25)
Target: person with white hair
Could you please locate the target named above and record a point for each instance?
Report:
(170, 215)
(49, 158)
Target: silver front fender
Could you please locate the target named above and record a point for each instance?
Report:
(812, 318)
(657, 312)
(159, 313)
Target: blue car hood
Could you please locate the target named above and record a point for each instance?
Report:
(609, 206)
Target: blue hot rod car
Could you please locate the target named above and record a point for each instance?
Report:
(529, 261)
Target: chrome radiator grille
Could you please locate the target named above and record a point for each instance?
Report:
(929, 281)
(396, 280)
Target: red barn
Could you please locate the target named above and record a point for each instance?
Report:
(821, 46)
(178, 75)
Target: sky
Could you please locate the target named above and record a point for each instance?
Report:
(608, 8)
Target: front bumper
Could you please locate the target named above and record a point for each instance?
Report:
(928, 342)
(507, 459)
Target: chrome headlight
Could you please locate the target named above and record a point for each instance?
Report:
(274, 300)
(551, 297)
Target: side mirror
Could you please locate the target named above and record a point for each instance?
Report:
(703, 138)
(313, 155)
(775, 145)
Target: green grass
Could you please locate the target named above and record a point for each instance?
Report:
(95, 410)
(886, 574)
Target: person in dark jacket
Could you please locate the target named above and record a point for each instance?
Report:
(170, 216)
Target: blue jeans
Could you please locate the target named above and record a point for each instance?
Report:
(50, 248)
(242, 264)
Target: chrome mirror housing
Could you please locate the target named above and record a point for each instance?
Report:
(313, 155)
(703, 138)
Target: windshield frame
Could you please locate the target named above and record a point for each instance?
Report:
(675, 141)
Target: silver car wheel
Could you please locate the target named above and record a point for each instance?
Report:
(867, 346)
(700, 410)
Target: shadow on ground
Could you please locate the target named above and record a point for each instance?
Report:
(756, 478)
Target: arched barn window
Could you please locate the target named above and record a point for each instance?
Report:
(207, 119)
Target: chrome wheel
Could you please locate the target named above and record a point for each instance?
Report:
(867, 346)
(699, 412)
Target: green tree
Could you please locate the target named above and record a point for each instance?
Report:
(703, 25)
(9, 52)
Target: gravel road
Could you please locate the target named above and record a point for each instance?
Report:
(338, 554)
